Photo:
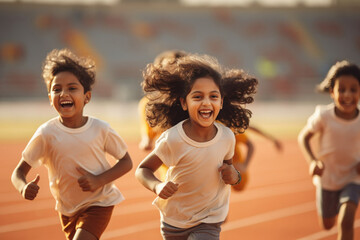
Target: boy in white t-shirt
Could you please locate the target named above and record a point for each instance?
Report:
(72, 147)
(336, 165)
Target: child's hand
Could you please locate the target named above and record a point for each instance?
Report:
(166, 189)
(229, 173)
(31, 189)
(87, 181)
(316, 168)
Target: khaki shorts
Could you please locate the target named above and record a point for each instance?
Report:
(93, 219)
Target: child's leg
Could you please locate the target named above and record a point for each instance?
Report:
(327, 203)
(346, 220)
(349, 198)
(82, 234)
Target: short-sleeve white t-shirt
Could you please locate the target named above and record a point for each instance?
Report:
(61, 150)
(202, 197)
(339, 150)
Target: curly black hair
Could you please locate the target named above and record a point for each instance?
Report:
(165, 86)
(339, 69)
(65, 61)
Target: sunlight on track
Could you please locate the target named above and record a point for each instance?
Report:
(269, 216)
(323, 234)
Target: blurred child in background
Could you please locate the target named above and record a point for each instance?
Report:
(241, 159)
(72, 147)
(149, 134)
(335, 167)
(187, 98)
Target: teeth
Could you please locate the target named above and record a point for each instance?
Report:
(66, 102)
(205, 112)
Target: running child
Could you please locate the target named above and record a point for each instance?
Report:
(335, 166)
(72, 147)
(188, 98)
(244, 146)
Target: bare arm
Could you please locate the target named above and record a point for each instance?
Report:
(249, 154)
(28, 190)
(90, 182)
(277, 143)
(316, 166)
(145, 174)
(304, 143)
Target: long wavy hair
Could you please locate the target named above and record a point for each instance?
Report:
(164, 86)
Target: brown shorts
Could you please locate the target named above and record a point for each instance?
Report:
(93, 219)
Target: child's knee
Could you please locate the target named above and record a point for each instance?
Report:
(328, 223)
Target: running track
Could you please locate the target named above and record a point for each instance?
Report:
(277, 204)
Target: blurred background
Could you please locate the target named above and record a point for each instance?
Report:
(289, 45)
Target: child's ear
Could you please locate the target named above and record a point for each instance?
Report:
(87, 97)
(183, 104)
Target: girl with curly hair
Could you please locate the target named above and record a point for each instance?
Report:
(189, 98)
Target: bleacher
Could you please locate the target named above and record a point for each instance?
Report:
(288, 49)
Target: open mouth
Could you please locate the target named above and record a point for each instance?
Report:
(205, 113)
(66, 104)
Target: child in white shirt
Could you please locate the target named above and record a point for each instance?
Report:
(336, 166)
(72, 147)
(188, 97)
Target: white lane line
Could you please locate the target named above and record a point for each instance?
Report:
(244, 222)
(269, 216)
(323, 234)
(132, 229)
(249, 194)
(37, 223)
(270, 191)
(133, 208)
(28, 206)
(146, 206)
(15, 196)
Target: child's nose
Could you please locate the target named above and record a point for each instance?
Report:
(206, 101)
(64, 92)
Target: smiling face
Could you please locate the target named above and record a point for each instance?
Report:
(203, 102)
(346, 93)
(68, 98)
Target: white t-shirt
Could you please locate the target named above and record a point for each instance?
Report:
(202, 195)
(339, 147)
(61, 149)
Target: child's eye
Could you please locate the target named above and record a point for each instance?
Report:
(56, 90)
